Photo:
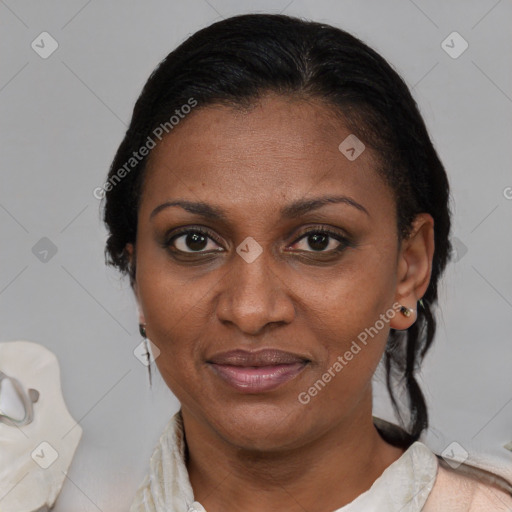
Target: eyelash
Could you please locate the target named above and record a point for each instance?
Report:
(186, 231)
(344, 241)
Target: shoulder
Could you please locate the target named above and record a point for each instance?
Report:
(481, 484)
(468, 489)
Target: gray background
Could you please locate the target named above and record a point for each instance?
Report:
(62, 119)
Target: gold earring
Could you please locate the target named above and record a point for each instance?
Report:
(407, 312)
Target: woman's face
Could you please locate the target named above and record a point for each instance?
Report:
(296, 256)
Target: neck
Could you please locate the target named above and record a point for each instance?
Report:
(322, 475)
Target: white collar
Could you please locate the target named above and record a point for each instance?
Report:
(405, 485)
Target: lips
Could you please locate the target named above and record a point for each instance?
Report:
(257, 372)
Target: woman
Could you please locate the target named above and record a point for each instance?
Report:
(283, 217)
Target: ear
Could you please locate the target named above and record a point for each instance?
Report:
(130, 250)
(414, 269)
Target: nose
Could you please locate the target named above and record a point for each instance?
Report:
(254, 296)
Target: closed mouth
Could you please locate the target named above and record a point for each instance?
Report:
(257, 372)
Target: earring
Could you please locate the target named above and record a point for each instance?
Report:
(407, 312)
(142, 331)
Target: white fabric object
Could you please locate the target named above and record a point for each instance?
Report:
(34, 458)
(167, 487)
(10, 403)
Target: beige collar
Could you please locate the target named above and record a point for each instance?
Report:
(405, 485)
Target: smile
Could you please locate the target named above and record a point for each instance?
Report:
(258, 379)
(257, 372)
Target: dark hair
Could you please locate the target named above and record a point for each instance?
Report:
(236, 61)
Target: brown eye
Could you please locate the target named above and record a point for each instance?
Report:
(318, 241)
(321, 240)
(193, 241)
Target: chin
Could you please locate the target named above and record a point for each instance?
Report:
(259, 426)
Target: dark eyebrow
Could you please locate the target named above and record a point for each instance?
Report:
(306, 205)
(292, 210)
(199, 208)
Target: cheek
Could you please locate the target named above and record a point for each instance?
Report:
(175, 316)
(350, 314)
(352, 296)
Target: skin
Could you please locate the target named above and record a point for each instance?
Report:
(268, 451)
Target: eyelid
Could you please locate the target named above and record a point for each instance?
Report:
(193, 228)
(342, 237)
(338, 235)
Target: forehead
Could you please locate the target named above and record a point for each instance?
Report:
(279, 147)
